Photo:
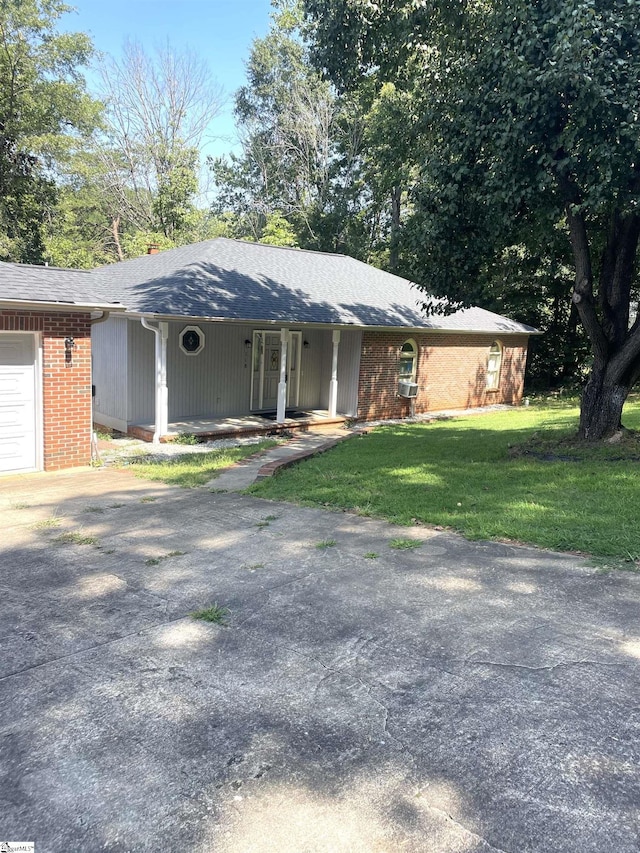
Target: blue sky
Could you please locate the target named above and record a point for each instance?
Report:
(219, 31)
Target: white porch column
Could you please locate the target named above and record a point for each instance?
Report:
(162, 398)
(161, 413)
(333, 385)
(282, 384)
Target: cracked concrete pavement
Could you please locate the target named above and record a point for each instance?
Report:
(459, 697)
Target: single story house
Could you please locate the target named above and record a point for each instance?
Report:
(227, 330)
(46, 316)
(225, 335)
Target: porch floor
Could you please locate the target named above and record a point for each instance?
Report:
(242, 425)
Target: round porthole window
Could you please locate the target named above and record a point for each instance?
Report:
(191, 340)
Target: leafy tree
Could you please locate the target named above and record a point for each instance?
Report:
(158, 108)
(530, 116)
(301, 150)
(45, 115)
(285, 115)
(278, 232)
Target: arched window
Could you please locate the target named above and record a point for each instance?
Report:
(494, 364)
(408, 365)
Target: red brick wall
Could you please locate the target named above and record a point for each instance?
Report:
(66, 383)
(451, 373)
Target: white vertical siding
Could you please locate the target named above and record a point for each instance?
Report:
(349, 371)
(313, 366)
(316, 367)
(109, 369)
(141, 374)
(215, 383)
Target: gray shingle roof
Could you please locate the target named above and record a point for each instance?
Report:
(236, 280)
(27, 283)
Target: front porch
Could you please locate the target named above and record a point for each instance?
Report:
(254, 424)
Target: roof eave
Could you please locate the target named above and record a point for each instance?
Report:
(40, 305)
(243, 321)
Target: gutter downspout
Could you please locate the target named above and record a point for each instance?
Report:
(161, 420)
(101, 319)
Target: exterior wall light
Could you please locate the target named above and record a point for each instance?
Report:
(69, 344)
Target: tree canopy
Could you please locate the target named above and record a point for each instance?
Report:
(304, 151)
(45, 115)
(487, 149)
(158, 107)
(529, 119)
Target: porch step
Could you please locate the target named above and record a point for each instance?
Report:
(145, 433)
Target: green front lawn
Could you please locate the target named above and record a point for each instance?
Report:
(477, 475)
(194, 469)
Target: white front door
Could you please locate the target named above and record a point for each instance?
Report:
(18, 403)
(266, 369)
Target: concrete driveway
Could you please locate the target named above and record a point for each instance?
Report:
(457, 697)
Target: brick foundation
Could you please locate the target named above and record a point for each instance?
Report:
(66, 383)
(451, 373)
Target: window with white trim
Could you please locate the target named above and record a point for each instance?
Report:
(494, 363)
(191, 340)
(408, 365)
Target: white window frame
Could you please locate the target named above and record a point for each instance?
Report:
(494, 366)
(199, 331)
(406, 377)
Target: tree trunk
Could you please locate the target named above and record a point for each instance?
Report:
(396, 198)
(601, 408)
(115, 230)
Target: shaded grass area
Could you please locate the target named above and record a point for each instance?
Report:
(194, 469)
(513, 475)
(215, 613)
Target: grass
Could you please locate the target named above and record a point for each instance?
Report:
(326, 543)
(215, 613)
(155, 561)
(75, 538)
(266, 521)
(404, 544)
(606, 565)
(185, 438)
(512, 475)
(371, 555)
(47, 523)
(195, 469)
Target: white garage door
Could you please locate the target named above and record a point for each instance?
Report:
(18, 409)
